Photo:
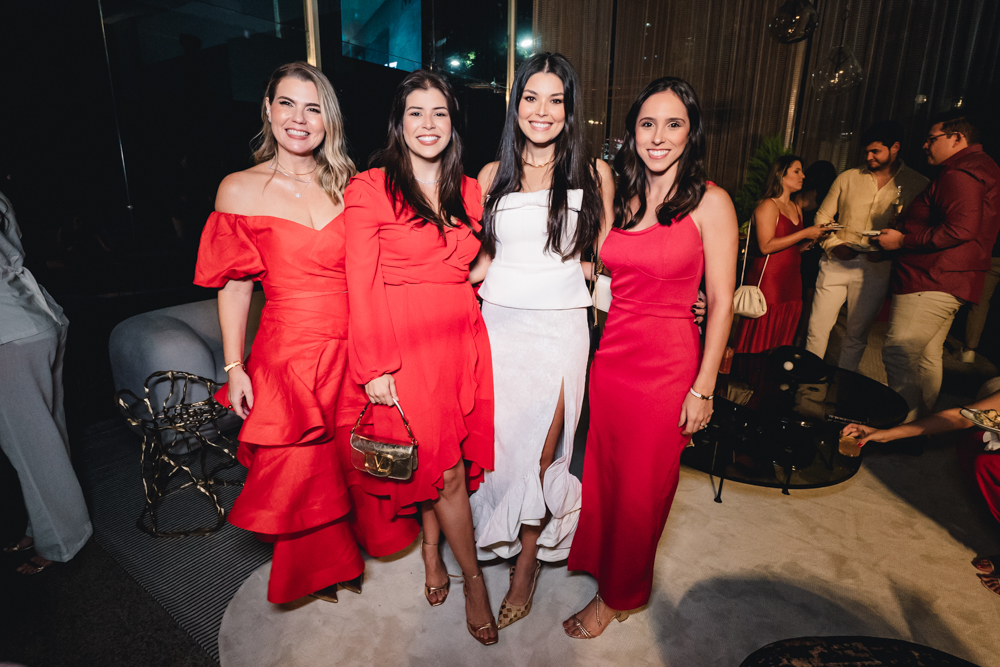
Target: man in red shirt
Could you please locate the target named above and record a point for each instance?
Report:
(944, 239)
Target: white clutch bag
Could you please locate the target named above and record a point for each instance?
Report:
(748, 300)
(602, 293)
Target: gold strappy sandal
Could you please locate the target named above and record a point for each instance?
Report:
(510, 613)
(621, 616)
(473, 629)
(431, 590)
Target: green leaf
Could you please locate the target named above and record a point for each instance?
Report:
(752, 190)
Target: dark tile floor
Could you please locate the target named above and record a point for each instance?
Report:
(85, 613)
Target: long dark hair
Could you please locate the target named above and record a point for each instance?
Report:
(572, 169)
(776, 174)
(689, 185)
(400, 184)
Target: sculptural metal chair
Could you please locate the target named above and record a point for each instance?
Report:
(178, 439)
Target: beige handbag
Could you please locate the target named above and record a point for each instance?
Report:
(601, 290)
(384, 457)
(748, 300)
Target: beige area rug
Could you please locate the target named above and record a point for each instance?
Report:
(885, 554)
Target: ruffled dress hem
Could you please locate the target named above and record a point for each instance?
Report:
(524, 503)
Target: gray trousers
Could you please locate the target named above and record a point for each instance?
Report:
(33, 436)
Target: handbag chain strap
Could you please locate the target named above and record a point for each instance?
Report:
(595, 274)
(413, 440)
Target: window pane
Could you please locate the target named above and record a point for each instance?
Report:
(385, 32)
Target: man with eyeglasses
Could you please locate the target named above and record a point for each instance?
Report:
(944, 241)
(865, 199)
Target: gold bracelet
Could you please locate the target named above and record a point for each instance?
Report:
(229, 367)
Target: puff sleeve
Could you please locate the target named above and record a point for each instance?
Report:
(227, 251)
(372, 346)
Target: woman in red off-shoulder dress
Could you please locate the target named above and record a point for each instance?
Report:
(416, 333)
(281, 223)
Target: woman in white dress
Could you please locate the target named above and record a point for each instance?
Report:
(545, 203)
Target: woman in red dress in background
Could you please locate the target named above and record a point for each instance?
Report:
(777, 223)
(650, 385)
(280, 223)
(416, 333)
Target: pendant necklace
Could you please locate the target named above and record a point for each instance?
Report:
(274, 166)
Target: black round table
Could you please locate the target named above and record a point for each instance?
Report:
(777, 421)
(851, 652)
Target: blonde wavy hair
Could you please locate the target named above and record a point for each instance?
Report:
(333, 167)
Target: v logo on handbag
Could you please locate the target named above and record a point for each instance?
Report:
(384, 457)
(376, 464)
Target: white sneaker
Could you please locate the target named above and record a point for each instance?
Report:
(968, 356)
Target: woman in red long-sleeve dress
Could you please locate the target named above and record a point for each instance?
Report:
(281, 223)
(416, 333)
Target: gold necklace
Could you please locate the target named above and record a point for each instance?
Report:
(276, 166)
(538, 166)
(315, 167)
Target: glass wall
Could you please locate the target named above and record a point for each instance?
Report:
(139, 108)
(187, 82)
(368, 46)
(162, 100)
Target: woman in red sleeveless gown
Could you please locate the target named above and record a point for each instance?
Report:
(274, 225)
(650, 383)
(416, 333)
(777, 223)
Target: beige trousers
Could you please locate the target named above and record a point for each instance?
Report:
(914, 346)
(863, 285)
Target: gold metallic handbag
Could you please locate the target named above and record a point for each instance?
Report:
(383, 457)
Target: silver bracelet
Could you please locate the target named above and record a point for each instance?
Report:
(701, 396)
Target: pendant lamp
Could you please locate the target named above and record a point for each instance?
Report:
(795, 21)
(840, 71)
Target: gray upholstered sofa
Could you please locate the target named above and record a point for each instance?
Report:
(180, 338)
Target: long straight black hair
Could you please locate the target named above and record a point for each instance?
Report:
(400, 184)
(689, 185)
(572, 169)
